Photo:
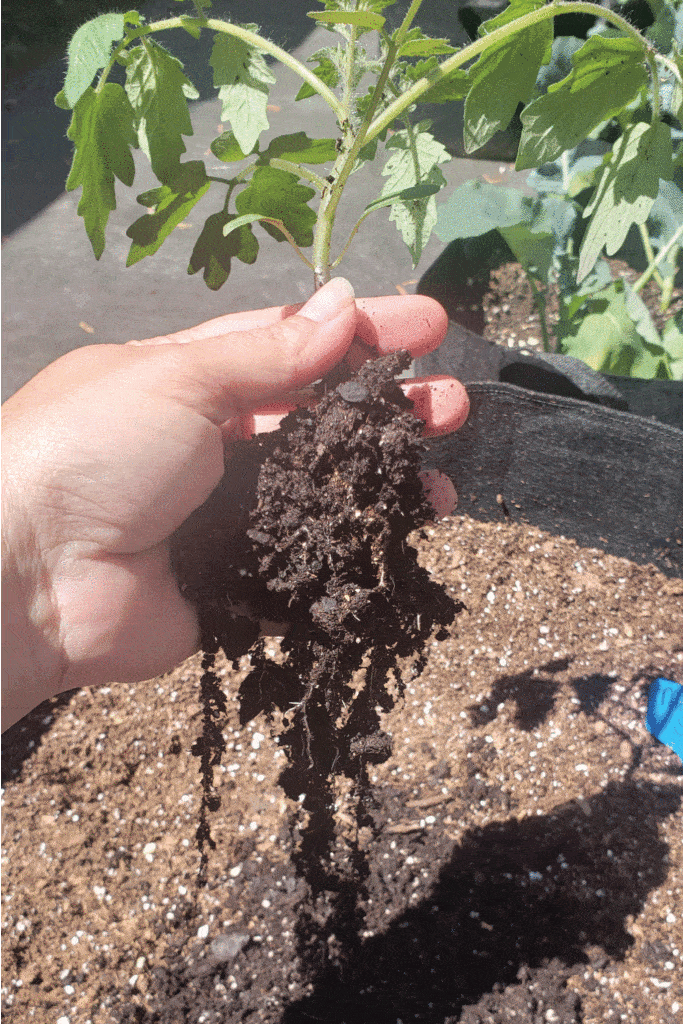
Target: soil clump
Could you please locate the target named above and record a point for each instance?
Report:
(337, 494)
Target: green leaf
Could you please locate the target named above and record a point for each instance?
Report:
(527, 224)
(577, 171)
(452, 86)
(420, 191)
(242, 77)
(503, 77)
(414, 156)
(533, 250)
(215, 249)
(89, 50)
(102, 130)
(417, 44)
(298, 148)
(672, 340)
(171, 206)
(191, 25)
(226, 147)
(641, 316)
(662, 31)
(626, 189)
(277, 194)
(606, 338)
(573, 295)
(663, 222)
(476, 207)
(515, 9)
(361, 19)
(607, 75)
(327, 71)
(366, 155)
(157, 90)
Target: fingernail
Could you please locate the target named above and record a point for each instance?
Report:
(328, 300)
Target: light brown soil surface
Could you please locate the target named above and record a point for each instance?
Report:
(507, 313)
(525, 845)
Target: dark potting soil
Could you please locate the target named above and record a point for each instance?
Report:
(337, 494)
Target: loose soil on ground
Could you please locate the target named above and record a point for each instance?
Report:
(520, 848)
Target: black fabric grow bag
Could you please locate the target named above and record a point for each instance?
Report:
(552, 443)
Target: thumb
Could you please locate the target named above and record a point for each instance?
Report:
(228, 374)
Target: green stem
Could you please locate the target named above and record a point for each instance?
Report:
(651, 261)
(539, 302)
(656, 104)
(301, 172)
(655, 260)
(252, 38)
(350, 63)
(451, 64)
(670, 281)
(407, 21)
(340, 172)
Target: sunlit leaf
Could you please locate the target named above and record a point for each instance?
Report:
(607, 338)
(672, 340)
(414, 156)
(274, 193)
(243, 78)
(607, 75)
(158, 92)
(361, 19)
(298, 148)
(102, 130)
(503, 77)
(626, 190)
(89, 50)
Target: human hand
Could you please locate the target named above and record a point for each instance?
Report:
(110, 448)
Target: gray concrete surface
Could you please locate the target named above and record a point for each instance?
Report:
(57, 297)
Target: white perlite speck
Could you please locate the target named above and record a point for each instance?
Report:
(203, 931)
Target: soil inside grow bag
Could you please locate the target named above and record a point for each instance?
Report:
(522, 842)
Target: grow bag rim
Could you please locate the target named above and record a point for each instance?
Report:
(607, 413)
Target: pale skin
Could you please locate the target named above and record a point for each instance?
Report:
(108, 450)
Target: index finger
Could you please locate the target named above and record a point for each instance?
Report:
(386, 323)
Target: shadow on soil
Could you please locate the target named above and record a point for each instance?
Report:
(510, 896)
(20, 740)
(515, 909)
(534, 693)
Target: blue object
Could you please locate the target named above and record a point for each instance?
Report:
(665, 714)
